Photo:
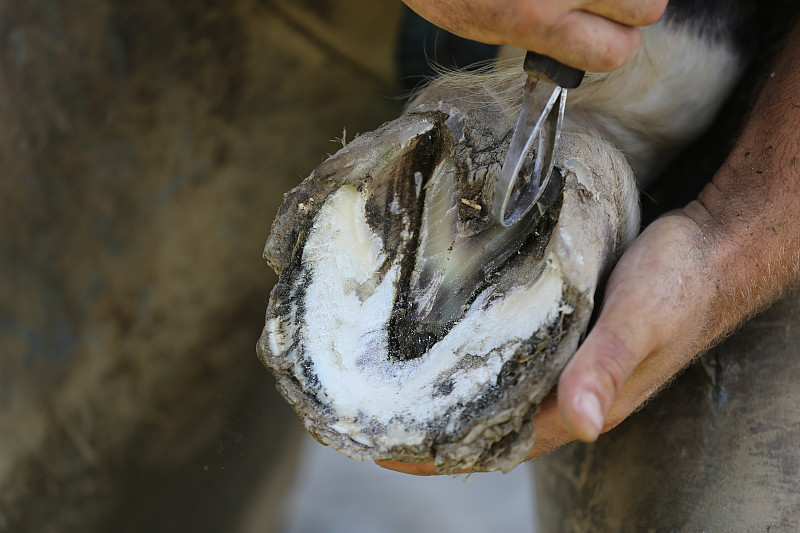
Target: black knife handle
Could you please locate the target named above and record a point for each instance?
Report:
(539, 65)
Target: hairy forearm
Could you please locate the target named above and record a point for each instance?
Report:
(750, 213)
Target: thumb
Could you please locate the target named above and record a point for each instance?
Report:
(645, 330)
(593, 379)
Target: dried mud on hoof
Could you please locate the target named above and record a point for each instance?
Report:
(405, 325)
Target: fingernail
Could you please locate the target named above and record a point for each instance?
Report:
(588, 404)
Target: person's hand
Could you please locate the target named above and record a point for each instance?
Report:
(656, 316)
(592, 35)
(681, 285)
(691, 277)
(649, 327)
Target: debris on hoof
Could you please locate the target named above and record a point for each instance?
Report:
(405, 325)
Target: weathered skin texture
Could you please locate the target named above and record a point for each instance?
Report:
(717, 451)
(596, 35)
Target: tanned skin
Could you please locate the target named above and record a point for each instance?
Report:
(691, 277)
(593, 35)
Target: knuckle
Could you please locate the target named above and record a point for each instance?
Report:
(653, 12)
(646, 13)
(612, 60)
(619, 52)
(614, 361)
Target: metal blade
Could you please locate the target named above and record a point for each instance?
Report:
(512, 203)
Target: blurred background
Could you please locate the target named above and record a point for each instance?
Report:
(333, 494)
(145, 148)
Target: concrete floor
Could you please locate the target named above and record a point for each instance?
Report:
(334, 494)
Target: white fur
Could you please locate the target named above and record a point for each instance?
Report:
(650, 108)
(661, 100)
